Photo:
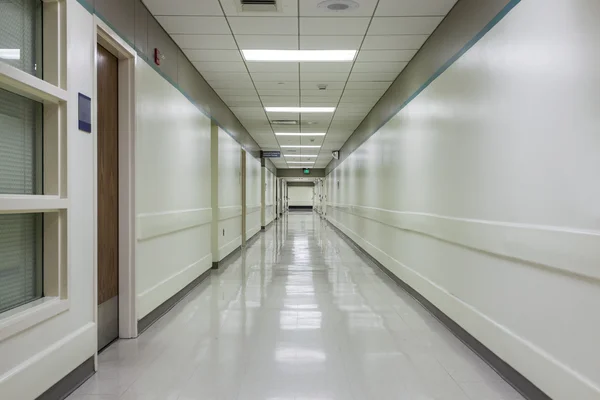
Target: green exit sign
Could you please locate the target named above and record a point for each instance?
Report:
(306, 171)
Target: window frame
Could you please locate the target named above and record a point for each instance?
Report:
(53, 204)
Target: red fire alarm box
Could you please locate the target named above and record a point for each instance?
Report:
(157, 56)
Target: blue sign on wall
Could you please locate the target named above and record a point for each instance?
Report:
(270, 154)
(85, 113)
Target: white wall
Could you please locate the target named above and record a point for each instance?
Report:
(300, 195)
(35, 359)
(229, 231)
(253, 196)
(173, 189)
(483, 194)
(269, 197)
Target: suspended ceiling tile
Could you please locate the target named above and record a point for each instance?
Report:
(385, 55)
(330, 42)
(394, 42)
(283, 85)
(274, 76)
(396, 67)
(236, 92)
(273, 67)
(330, 85)
(184, 7)
(373, 76)
(263, 25)
(280, 101)
(230, 85)
(194, 25)
(267, 42)
(278, 92)
(393, 8)
(368, 85)
(324, 76)
(213, 55)
(328, 93)
(221, 66)
(333, 26)
(218, 42)
(310, 8)
(227, 76)
(314, 67)
(403, 25)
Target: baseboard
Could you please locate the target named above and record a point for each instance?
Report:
(32, 378)
(67, 385)
(162, 309)
(507, 372)
(264, 228)
(228, 258)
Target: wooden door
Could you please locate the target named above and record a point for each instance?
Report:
(108, 197)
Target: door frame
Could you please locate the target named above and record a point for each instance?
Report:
(107, 38)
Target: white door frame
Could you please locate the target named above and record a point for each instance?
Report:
(126, 55)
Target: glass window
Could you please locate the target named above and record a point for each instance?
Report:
(21, 35)
(20, 259)
(20, 144)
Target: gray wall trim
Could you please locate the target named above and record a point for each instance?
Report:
(502, 368)
(161, 310)
(228, 259)
(67, 385)
(463, 26)
(297, 173)
(131, 20)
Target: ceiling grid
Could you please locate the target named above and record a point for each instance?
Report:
(386, 34)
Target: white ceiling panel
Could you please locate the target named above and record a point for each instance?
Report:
(280, 101)
(287, 85)
(319, 102)
(324, 76)
(330, 85)
(267, 42)
(368, 85)
(274, 76)
(330, 42)
(184, 7)
(194, 25)
(230, 85)
(288, 8)
(264, 25)
(322, 93)
(273, 67)
(394, 8)
(394, 42)
(404, 25)
(325, 67)
(213, 55)
(220, 66)
(310, 8)
(217, 42)
(372, 76)
(364, 92)
(333, 26)
(278, 92)
(385, 55)
(227, 76)
(236, 92)
(320, 99)
(396, 67)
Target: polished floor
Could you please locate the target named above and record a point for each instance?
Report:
(299, 315)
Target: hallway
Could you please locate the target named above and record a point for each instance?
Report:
(299, 315)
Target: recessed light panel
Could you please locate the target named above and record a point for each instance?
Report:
(301, 109)
(299, 147)
(299, 55)
(299, 134)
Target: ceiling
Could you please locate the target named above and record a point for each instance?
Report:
(387, 34)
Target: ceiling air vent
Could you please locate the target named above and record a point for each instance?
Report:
(258, 5)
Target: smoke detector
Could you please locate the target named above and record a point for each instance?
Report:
(338, 5)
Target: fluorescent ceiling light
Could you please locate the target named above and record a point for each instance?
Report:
(299, 147)
(300, 155)
(299, 134)
(301, 109)
(301, 162)
(299, 55)
(10, 54)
